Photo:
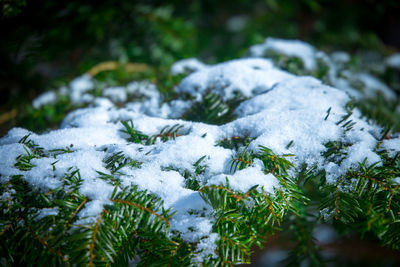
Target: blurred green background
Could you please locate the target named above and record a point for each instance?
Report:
(45, 42)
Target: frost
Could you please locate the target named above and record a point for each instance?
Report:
(327, 214)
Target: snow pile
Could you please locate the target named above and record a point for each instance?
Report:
(339, 71)
(245, 76)
(284, 112)
(84, 90)
(293, 48)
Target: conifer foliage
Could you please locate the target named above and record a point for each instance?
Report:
(201, 178)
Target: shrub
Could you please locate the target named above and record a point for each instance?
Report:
(200, 175)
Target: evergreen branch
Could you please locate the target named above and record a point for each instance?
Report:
(382, 184)
(211, 110)
(93, 239)
(174, 252)
(242, 160)
(133, 235)
(73, 214)
(391, 197)
(135, 136)
(135, 224)
(337, 198)
(166, 133)
(141, 208)
(46, 245)
(116, 162)
(5, 229)
(235, 142)
(271, 208)
(238, 197)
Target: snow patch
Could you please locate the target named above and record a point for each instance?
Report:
(291, 48)
(394, 61)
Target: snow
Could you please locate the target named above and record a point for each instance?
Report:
(394, 61)
(196, 227)
(142, 88)
(44, 99)
(245, 76)
(42, 175)
(79, 86)
(340, 57)
(14, 135)
(206, 247)
(187, 65)
(117, 94)
(291, 48)
(165, 184)
(396, 180)
(392, 146)
(77, 91)
(280, 108)
(293, 110)
(374, 85)
(345, 86)
(80, 91)
(81, 138)
(46, 212)
(341, 73)
(8, 155)
(240, 182)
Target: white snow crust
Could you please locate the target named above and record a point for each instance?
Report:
(246, 76)
(292, 48)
